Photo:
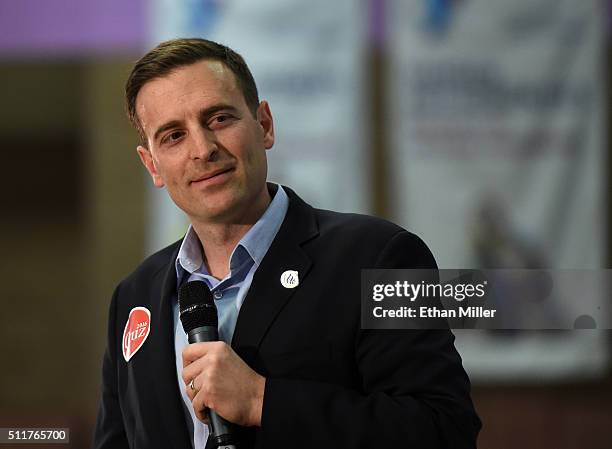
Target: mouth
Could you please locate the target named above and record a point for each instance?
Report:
(213, 177)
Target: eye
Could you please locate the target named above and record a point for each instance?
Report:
(173, 137)
(219, 121)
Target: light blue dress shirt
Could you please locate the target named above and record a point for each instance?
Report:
(229, 293)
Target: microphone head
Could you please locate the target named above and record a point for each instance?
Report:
(196, 306)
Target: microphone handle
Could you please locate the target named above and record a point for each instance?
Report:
(223, 432)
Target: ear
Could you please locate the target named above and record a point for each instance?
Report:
(147, 160)
(264, 118)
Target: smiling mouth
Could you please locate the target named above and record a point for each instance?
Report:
(213, 176)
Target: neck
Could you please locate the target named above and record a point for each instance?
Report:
(218, 239)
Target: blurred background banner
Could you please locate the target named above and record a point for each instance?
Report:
(307, 61)
(48, 29)
(498, 153)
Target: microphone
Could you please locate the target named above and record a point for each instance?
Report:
(198, 315)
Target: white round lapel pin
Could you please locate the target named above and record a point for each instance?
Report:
(136, 331)
(290, 279)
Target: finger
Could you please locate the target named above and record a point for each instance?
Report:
(204, 416)
(195, 351)
(193, 370)
(200, 406)
(192, 389)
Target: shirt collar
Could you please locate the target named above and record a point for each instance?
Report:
(255, 243)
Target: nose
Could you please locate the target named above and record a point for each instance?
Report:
(203, 145)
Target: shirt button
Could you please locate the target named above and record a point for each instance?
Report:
(218, 294)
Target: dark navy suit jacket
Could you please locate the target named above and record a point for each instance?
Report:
(330, 384)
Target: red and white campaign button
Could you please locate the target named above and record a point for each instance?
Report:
(136, 331)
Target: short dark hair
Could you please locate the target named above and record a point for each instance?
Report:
(175, 53)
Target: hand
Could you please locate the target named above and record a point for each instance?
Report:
(222, 382)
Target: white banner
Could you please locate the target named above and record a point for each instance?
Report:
(498, 152)
(307, 60)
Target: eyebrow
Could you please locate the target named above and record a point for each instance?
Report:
(203, 114)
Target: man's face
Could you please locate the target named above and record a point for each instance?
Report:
(203, 142)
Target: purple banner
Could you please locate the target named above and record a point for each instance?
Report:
(71, 26)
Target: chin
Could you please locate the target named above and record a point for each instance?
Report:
(218, 211)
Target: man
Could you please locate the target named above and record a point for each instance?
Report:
(294, 369)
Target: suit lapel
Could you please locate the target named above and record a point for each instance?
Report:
(266, 296)
(164, 363)
(264, 301)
